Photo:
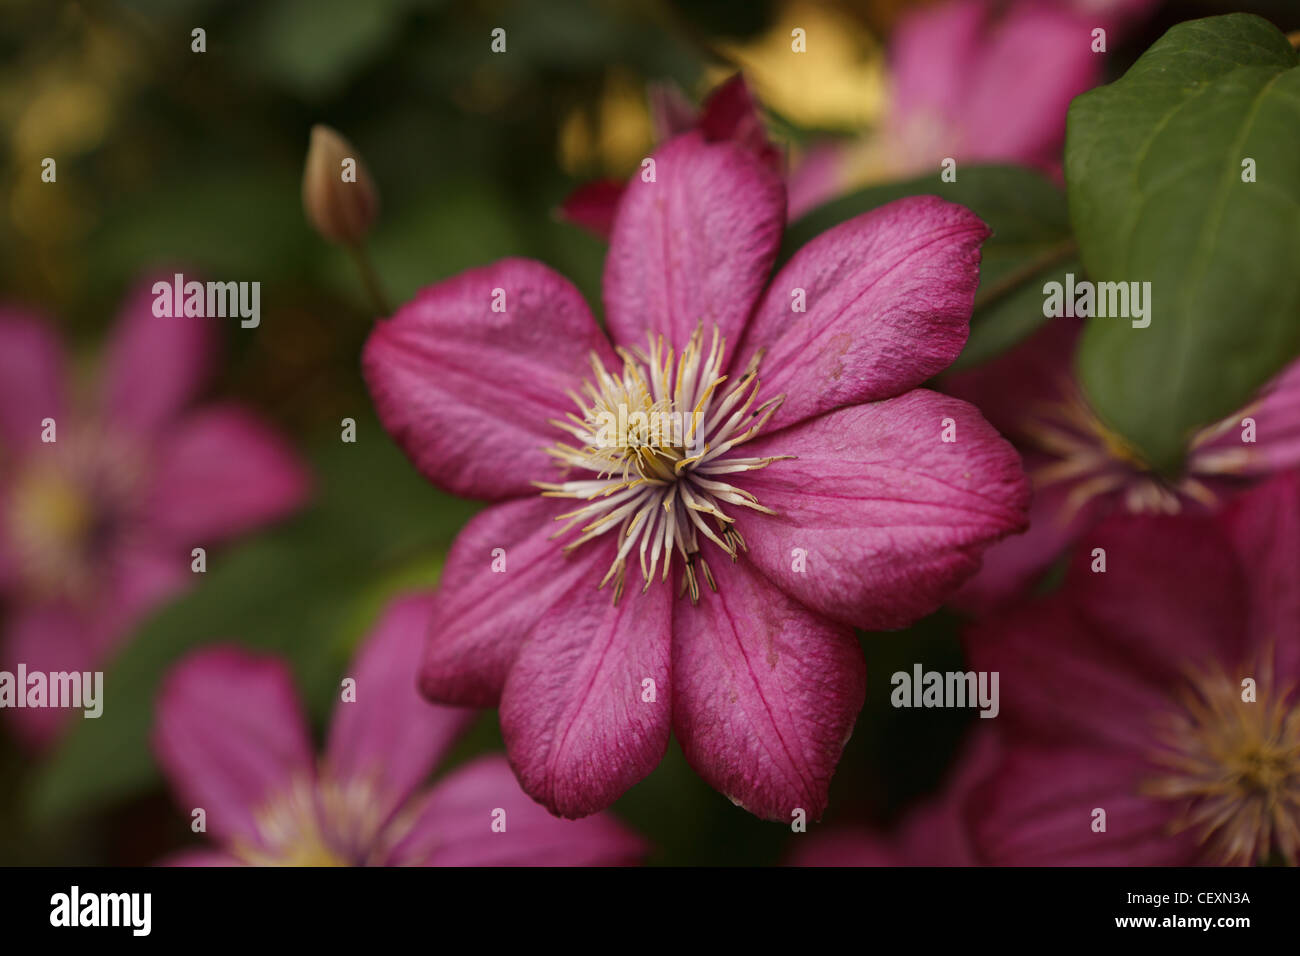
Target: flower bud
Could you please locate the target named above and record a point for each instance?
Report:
(338, 194)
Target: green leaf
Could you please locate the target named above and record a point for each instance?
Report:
(1031, 240)
(307, 591)
(1154, 170)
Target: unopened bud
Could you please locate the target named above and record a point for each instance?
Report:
(338, 194)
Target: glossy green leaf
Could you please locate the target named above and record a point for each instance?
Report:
(1154, 165)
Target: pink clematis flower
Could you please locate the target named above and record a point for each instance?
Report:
(807, 490)
(972, 80)
(1162, 692)
(97, 525)
(934, 833)
(231, 738)
(961, 81)
(1083, 471)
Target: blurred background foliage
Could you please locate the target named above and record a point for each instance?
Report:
(170, 157)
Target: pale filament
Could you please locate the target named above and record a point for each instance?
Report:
(653, 443)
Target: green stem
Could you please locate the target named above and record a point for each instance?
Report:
(370, 279)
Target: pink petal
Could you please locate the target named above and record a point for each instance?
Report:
(454, 827)
(694, 246)
(959, 81)
(1037, 808)
(815, 178)
(1009, 120)
(936, 833)
(229, 735)
(467, 392)
(138, 579)
(47, 638)
(731, 113)
(1091, 663)
(154, 366)
(390, 734)
(578, 727)
(891, 519)
(1013, 565)
(593, 206)
(31, 379)
(888, 297)
(62, 636)
(221, 473)
(931, 53)
(671, 111)
(765, 694)
(1171, 589)
(481, 617)
(1276, 413)
(1264, 527)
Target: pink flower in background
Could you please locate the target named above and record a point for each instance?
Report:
(814, 493)
(971, 80)
(232, 739)
(1083, 471)
(97, 526)
(1163, 692)
(980, 83)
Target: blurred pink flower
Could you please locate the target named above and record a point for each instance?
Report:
(232, 739)
(1082, 471)
(864, 518)
(1126, 692)
(972, 80)
(934, 833)
(97, 527)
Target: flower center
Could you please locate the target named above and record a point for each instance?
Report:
(1234, 767)
(291, 832)
(67, 504)
(653, 444)
(325, 822)
(1099, 460)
